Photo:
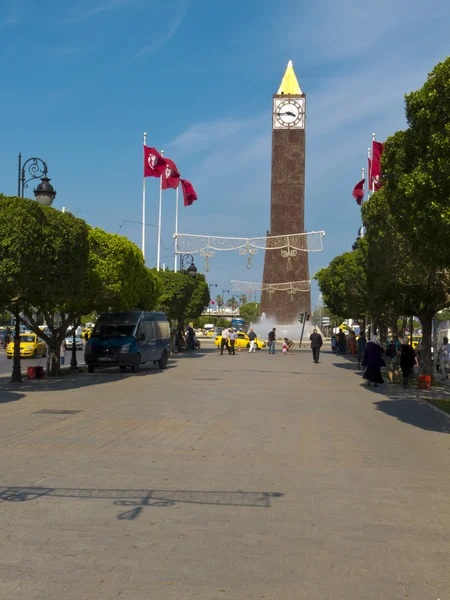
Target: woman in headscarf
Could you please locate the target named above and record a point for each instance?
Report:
(373, 361)
(407, 360)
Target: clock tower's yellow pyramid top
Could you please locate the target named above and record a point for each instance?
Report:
(289, 84)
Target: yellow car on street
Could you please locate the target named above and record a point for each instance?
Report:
(30, 346)
(242, 341)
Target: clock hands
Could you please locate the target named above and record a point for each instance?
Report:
(287, 113)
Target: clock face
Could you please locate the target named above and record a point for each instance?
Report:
(289, 113)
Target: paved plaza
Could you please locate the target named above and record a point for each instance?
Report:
(223, 478)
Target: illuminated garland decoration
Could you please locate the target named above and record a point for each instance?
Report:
(291, 287)
(289, 245)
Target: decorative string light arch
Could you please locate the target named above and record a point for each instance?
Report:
(288, 245)
(290, 287)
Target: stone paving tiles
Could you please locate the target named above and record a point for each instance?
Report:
(229, 478)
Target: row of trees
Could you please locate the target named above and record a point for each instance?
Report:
(232, 302)
(55, 264)
(401, 265)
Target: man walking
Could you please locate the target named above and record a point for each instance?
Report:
(316, 344)
(252, 338)
(224, 340)
(232, 338)
(271, 340)
(342, 342)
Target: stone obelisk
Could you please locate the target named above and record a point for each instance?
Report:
(287, 204)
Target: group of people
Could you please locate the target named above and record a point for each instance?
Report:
(228, 340)
(398, 356)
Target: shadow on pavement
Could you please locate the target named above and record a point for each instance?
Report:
(138, 499)
(410, 406)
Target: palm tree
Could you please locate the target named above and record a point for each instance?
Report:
(243, 299)
(219, 301)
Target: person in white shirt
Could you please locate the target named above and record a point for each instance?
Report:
(224, 340)
(444, 358)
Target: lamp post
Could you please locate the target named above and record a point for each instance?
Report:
(191, 269)
(35, 168)
(16, 376)
(73, 360)
(211, 285)
(223, 298)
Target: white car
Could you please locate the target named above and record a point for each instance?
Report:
(68, 342)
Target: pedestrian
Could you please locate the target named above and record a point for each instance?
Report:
(252, 338)
(62, 354)
(373, 361)
(391, 361)
(224, 340)
(316, 344)
(333, 345)
(444, 358)
(289, 345)
(352, 343)
(232, 338)
(342, 342)
(271, 340)
(407, 360)
(190, 339)
(361, 344)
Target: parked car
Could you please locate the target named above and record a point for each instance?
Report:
(30, 346)
(242, 341)
(68, 343)
(128, 339)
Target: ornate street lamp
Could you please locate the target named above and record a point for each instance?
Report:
(191, 269)
(35, 168)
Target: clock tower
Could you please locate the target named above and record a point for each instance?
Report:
(287, 204)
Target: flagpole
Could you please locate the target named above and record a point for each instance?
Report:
(373, 182)
(363, 176)
(158, 257)
(143, 205)
(176, 230)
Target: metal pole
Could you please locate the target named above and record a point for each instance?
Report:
(143, 203)
(18, 179)
(158, 256)
(16, 376)
(373, 183)
(176, 231)
(303, 329)
(73, 360)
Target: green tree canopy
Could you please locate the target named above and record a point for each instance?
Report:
(249, 312)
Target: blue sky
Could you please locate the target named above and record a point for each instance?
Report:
(82, 81)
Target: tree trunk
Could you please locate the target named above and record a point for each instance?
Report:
(426, 320)
(16, 376)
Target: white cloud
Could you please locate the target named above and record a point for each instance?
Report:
(166, 36)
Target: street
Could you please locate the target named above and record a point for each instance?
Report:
(6, 364)
(232, 477)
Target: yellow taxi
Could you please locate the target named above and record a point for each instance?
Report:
(86, 333)
(30, 346)
(210, 333)
(242, 341)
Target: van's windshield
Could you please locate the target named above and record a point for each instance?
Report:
(116, 324)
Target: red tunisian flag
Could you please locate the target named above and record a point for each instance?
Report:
(376, 164)
(188, 192)
(212, 301)
(154, 163)
(170, 175)
(358, 191)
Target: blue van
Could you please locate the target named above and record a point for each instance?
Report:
(128, 339)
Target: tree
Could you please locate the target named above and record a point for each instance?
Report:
(118, 278)
(243, 299)
(232, 302)
(219, 301)
(344, 285)
(43, 265)
(416, 170)
(249, 312)
(199, 300)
